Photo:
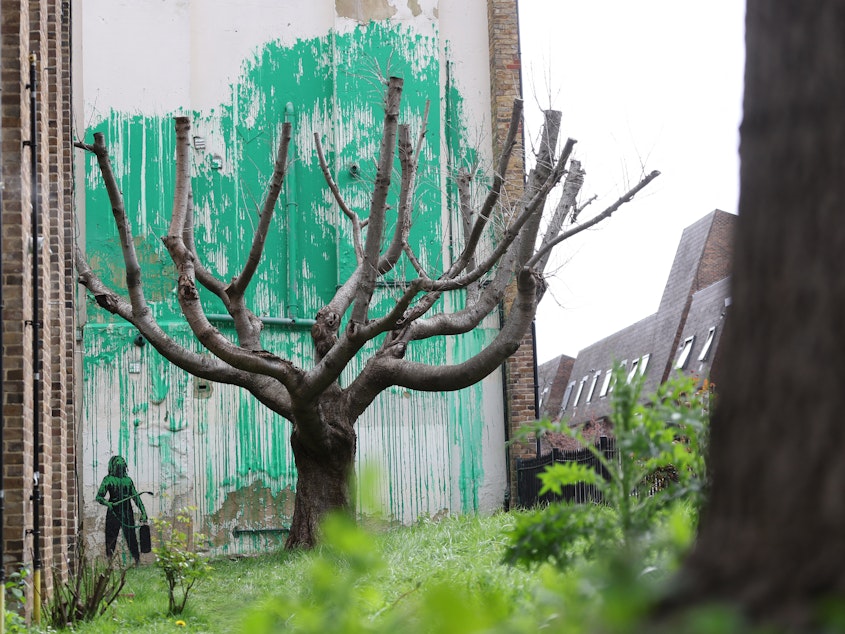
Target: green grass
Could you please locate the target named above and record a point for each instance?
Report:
(460, 552)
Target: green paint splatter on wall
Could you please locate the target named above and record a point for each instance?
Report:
(331, 83)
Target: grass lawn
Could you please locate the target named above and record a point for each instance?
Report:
(460, 552)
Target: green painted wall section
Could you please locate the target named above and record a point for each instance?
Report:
(205, 449)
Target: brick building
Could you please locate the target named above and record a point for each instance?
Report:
(38, 287)
(682, 336)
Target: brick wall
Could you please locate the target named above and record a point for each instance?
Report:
(40, 27)
(505, 86)
(717, 258)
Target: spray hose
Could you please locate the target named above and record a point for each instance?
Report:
(127, 499)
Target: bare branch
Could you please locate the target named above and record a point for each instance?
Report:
(378, 206)
(406, 192)
(493, 195)
(412, 257)
(255, 360)
(410, 164)
(134, 284)
(583, 206)
(530, 209)
(389, 368)
(571, 187)
(463, 182)
(353, 217)
(274, 188)
(266, 389)
(205, 277)
(626, 197)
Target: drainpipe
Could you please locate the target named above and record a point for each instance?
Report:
(36, 344)
(536, 381)
(506, 412)
(292, 322)
(292, 218)
(2, 420)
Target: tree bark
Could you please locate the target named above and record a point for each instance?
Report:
(772, 537)
(324, 471)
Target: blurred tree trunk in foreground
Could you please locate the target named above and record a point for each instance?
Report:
(772, 539)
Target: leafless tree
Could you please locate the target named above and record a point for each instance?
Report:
(322, 411)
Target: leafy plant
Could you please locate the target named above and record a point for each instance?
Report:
(91, 587)
(15, 589)
(178, 560)
(660, 459)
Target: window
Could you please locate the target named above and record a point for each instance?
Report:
(705, 350)
(644, 363)
(580, 389)
(633, 371)
(593, 386)
(683, 356)
(543, 397)
(606, 385)
(566, 395)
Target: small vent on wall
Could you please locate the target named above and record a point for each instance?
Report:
(202, 388)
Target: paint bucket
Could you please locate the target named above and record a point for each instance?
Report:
(144, 535)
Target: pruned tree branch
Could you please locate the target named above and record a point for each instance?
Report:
(565, 207)
(492, 198)
(253, 359)
(409, 162)
(378, 206)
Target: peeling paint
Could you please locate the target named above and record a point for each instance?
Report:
(365, 10)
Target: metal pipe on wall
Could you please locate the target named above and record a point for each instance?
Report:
(36, 342)
(273, 321)
(292, 219)
(2, 407)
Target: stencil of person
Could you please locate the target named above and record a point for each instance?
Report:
(120, 489)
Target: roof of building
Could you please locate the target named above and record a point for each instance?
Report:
(683, 335)
(552, 377)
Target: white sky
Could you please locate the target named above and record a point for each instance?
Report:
(653, 83)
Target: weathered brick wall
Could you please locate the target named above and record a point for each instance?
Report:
(717, 258)
(42, 28)
(505, 86)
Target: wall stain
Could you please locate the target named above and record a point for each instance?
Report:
(252, 507)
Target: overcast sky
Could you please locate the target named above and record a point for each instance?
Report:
(643, 85)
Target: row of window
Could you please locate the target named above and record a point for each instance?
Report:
(686, 349)
(637, 366)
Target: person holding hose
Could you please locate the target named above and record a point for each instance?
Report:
(117, 492)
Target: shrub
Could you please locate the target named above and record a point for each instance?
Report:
(178, 560)
(660, 459)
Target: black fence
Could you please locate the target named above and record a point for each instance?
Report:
(528, 483)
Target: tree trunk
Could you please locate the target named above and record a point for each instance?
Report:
(772, 538)
(324, 472)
